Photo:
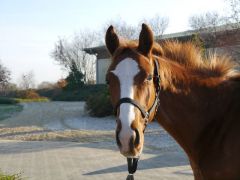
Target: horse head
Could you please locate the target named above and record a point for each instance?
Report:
(132, 88)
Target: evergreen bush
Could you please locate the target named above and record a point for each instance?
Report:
(99, 104)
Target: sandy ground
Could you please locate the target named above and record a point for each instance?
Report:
(69, 129)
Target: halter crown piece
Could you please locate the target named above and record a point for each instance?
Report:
(133, 162)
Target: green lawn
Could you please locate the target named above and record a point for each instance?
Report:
(7, 110)
(10, 176)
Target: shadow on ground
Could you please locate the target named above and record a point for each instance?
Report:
(163, 160)
(158, 160)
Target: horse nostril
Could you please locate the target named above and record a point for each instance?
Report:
(118, 129)
(117, 138)
(137, 138)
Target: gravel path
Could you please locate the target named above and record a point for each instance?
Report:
(45, 114)
(92, 155)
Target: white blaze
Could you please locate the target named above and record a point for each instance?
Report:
(126, 70)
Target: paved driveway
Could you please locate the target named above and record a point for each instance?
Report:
(61, 160)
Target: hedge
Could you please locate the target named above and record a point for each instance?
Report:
(5, 100)
(80, 94)
(99, 104)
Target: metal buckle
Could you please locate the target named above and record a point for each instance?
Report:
(146, 118)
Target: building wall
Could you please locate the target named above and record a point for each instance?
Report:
(232, 51)
(102, 67)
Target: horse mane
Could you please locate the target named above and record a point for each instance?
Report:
(183, 63)
(190, 56)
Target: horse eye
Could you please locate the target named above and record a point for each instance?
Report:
(150, 77)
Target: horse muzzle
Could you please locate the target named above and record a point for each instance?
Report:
(130, 146)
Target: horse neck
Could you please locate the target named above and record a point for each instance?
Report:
(184, 103)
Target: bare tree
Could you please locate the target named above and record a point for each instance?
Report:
(123, 29)
(211, 20)
(27, 81)
(4, 78)
(158, 24)
(234, 17)
(207, 26)
(72, 52)
(218, 30)
(69, 53)
(208, 21)
(233, 21)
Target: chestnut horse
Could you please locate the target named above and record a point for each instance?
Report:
(199, 101)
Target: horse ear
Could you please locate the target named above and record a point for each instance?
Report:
(145, 40)
(111, 40)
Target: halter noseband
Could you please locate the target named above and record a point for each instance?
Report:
(145, 114)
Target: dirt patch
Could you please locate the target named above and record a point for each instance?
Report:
(41, 134)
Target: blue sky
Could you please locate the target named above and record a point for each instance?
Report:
(29, 28)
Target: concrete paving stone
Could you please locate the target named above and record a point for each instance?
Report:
(79, 161)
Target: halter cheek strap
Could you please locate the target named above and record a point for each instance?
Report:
(145, 114)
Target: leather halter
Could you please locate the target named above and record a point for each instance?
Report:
(145, 113)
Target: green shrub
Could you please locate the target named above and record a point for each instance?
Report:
(5, 100)
(75, 78)
(199, 43)
(49, 93)
(99, 104)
